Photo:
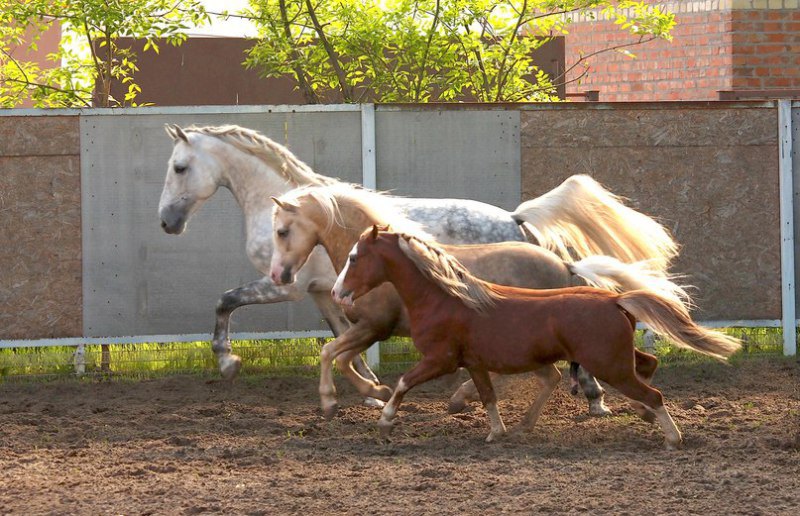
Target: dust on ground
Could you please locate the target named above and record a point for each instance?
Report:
(187, 445)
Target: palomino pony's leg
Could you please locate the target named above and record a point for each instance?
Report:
(339, 324)
(426, 369)
(467, 393)
(588, 383)
(483, 383)
(344, 349)
(548, 377)
(257, 292)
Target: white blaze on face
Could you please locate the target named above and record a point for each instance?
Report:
(337, 287)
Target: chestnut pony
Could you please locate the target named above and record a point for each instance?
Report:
(458, 320)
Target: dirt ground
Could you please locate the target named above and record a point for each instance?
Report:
(186, 445)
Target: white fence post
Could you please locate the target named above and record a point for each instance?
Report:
(787, 226)
(80, 359)
(370, 180)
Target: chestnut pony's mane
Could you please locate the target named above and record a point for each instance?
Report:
(448, 273)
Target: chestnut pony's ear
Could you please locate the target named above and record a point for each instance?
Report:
(285, 205)
(375, 230)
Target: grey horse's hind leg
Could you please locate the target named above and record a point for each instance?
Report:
(261, 291)
(594, 393)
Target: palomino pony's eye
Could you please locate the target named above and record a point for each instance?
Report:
(180, 169)
(283, 232)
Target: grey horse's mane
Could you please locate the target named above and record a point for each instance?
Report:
(448, 273)
(279, 157)
(376, 206)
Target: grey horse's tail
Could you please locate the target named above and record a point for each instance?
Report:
(580, 218)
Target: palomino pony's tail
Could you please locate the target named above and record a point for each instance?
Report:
(581, 217)
(669, 317)
(611, 274)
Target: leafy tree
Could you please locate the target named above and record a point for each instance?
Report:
(89, 53)
(427, 50)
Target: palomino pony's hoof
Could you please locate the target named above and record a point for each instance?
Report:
(456, 406)
(494, 436)
(383, 392)
(229, 366)
(673, 446)
(330, 411)
(372, 402)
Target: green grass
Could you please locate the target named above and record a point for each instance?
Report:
(274, 357)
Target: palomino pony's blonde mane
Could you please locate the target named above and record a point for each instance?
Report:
(279, 157)
(448, 273)
(376, 207)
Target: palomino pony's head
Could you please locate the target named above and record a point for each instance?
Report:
(331, 215)
(365, 269)
(192, 177)
(294, 236)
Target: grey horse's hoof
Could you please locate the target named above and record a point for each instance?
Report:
(599, 410)
(330, 411)
(229, 366)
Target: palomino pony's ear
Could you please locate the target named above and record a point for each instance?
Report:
(175, 132)
(285, 205)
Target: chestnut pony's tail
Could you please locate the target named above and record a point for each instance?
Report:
(668, 316)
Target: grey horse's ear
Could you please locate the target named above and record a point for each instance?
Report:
(285, 205)
(175, 132)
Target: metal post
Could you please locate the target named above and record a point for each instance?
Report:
(787, 226)
(370, 180)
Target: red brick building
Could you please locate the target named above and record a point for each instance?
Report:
(718, 46)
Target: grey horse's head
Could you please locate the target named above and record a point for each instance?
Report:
(192, 177)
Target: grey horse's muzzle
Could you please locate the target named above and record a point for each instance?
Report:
(173, 219)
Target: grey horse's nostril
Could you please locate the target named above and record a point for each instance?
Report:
(163, 225)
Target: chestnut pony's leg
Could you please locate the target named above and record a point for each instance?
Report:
(426, 369)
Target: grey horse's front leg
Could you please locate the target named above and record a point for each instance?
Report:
(261, 291)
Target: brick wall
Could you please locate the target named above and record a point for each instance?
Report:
(717, 45)
(766, 48)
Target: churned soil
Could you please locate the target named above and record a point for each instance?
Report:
(187, 445)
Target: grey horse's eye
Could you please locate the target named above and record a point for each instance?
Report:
(180, 169)
(283, 232)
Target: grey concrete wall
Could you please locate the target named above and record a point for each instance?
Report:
(473, 154)
(40, 227)
(708, 171)
(139, 280)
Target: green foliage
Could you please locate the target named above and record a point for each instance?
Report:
(427, 50)
(89, 52)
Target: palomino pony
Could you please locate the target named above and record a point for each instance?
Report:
(579, 215)
(458, 320)
(335, 216)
